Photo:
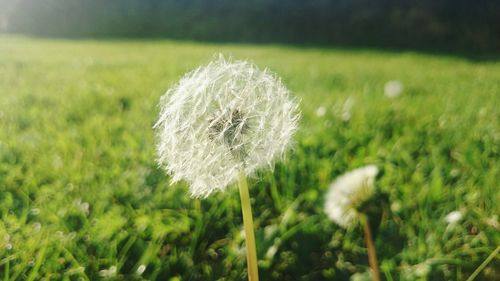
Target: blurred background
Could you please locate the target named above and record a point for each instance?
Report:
(458, 26)
(412, 87)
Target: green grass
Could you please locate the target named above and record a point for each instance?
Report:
(81, 195)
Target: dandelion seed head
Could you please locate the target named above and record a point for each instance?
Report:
(108, 273)
(393, 88)
(321, 111)
(37, 226)
(222, 118)
(453, 217)
(35, 211)
(348, 192)
(346, 109)
(141, 269)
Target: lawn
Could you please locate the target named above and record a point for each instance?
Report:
(82, 198)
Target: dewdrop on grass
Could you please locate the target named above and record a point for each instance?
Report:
(223, 118)
(348, 192)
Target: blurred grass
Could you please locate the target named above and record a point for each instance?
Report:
(81, 197)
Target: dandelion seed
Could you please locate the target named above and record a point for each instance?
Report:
(396, 207)
(35, 211)
(493, 222)
(321, 111)
(37, 226)
(453, 217)
(346, 109)
(348, 192)
(393, 88)
(271, 252)
(422, 269)
(141, 269)
(365, 276)
(223, 118)
(108, 273)
(83, 206)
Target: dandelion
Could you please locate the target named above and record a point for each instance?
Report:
(321, 111)
(346, 109)
(108, 273)
(453, 217)
(492, 221)
(221, 123)
(221, 119)
(393, 88)
(141, 269)
(346, 194)
(37, 226)
(35, 211)
(83, 206)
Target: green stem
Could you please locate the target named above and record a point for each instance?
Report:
(246, 208)
(372, 256)
(7, 269)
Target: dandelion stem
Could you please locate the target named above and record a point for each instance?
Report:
(246, 208)
(372, 256)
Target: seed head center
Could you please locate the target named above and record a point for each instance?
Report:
(230, 130)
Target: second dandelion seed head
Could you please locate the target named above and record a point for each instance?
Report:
(348, 192)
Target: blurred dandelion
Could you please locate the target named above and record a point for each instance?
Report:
(361, 276)
(321, 111)
(454, 217)
(219, 124)
(141, 269)
(37, 226)
(108, 273)
(347, 193)
(343, 200)
(35, 211)
(346, 109)
(393, 88)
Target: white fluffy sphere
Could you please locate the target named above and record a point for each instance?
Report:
(223, 118)
(348, 192)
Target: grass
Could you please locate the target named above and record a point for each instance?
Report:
(81, 197)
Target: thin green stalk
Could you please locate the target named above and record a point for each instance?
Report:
(246, 208)
(7, 269)
(484, 264)
(372, 256)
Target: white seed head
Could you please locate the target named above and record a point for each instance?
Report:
(321, 111)
(141, 269)
(223, 118)
(453, 217)
(348, 192)
(393, 88)
(347, 109)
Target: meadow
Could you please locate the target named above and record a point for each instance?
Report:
(82, 198)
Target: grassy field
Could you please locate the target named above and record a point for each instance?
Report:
(81, 197)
